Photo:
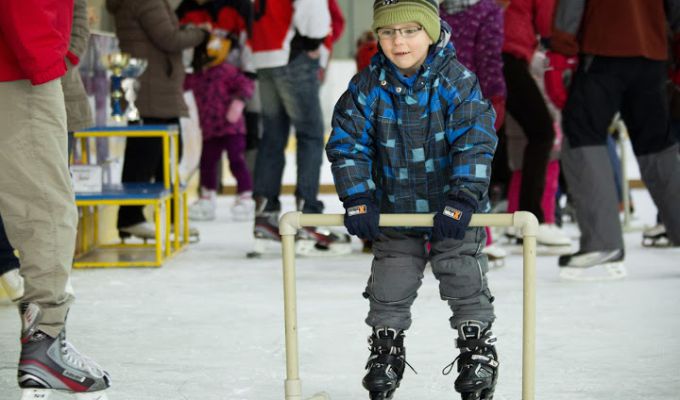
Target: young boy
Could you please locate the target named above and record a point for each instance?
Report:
(413, 134)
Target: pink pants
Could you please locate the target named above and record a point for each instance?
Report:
(552, 175)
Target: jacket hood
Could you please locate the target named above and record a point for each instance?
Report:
(114, 5)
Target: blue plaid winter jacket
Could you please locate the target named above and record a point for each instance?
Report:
(409, 144)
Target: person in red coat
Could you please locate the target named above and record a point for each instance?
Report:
(37, 201)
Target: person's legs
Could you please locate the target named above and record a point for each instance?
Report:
(396, 274)
(211, 155)
(143, 162)
(236, 151)
(616, 166)
(552, 176)
(460, 267)
(299, 89)
(8, 261)
(166, 121)
(37, 202)
(270, 159)
(527, 106)
(142, 156)
(10, 279)
(646, 115)
(594, 98)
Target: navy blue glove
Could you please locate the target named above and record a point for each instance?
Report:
(452, 222)
(362, 217)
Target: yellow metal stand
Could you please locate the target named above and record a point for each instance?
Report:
(291, 222)
(92, 252)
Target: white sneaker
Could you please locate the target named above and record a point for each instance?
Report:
(142, 230)
(243, 208)
(202, 210)
(552, 235)
(13, 284)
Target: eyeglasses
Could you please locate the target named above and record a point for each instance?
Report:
(391, 33)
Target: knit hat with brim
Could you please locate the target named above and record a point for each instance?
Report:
(424, 12)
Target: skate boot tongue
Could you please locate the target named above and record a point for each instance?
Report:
(470, 335)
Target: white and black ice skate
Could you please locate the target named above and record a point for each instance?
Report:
(477, 362)
(551, 240)
(315, 242)
(593, 266)
(656, 236)
(266, 232)
(386, 364)
(50, 364)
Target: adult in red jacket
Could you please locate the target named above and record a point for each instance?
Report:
(37, 201)
(525, 20)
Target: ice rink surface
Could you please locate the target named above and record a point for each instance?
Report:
(209, 325)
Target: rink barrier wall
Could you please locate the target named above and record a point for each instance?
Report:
(291, 222)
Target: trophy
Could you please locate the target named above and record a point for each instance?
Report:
(134, 69)
(116, 62)
(124, 73)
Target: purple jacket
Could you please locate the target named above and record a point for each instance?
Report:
(214, 89)
(477, 34)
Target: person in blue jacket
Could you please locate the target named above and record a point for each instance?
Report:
(413, 134)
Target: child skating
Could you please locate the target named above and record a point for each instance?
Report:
(413, 134)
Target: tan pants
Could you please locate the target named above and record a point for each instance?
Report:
(37, 203)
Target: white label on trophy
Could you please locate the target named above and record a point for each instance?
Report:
(86, 178)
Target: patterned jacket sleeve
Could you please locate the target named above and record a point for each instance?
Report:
(470, 133)
(350, 148)
(568, 17)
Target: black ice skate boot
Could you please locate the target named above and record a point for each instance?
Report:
(50, 364)
(266, 229)
(385, 365)
(477, 362)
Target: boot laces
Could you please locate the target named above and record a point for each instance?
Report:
(78, 360)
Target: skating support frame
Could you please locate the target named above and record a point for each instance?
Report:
(291, 222)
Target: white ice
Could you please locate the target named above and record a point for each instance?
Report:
(209, 325)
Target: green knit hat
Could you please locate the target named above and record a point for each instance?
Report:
(424, 12)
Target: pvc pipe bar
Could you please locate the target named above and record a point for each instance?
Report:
(291, 222)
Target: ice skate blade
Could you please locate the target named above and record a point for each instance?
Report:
(603, 272)
(45, 394)
(309, 248)
(381, 395)
(320, 396)
(545, 251)
(497, 263)
(658, 242)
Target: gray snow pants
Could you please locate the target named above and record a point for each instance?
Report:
(397, 273)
